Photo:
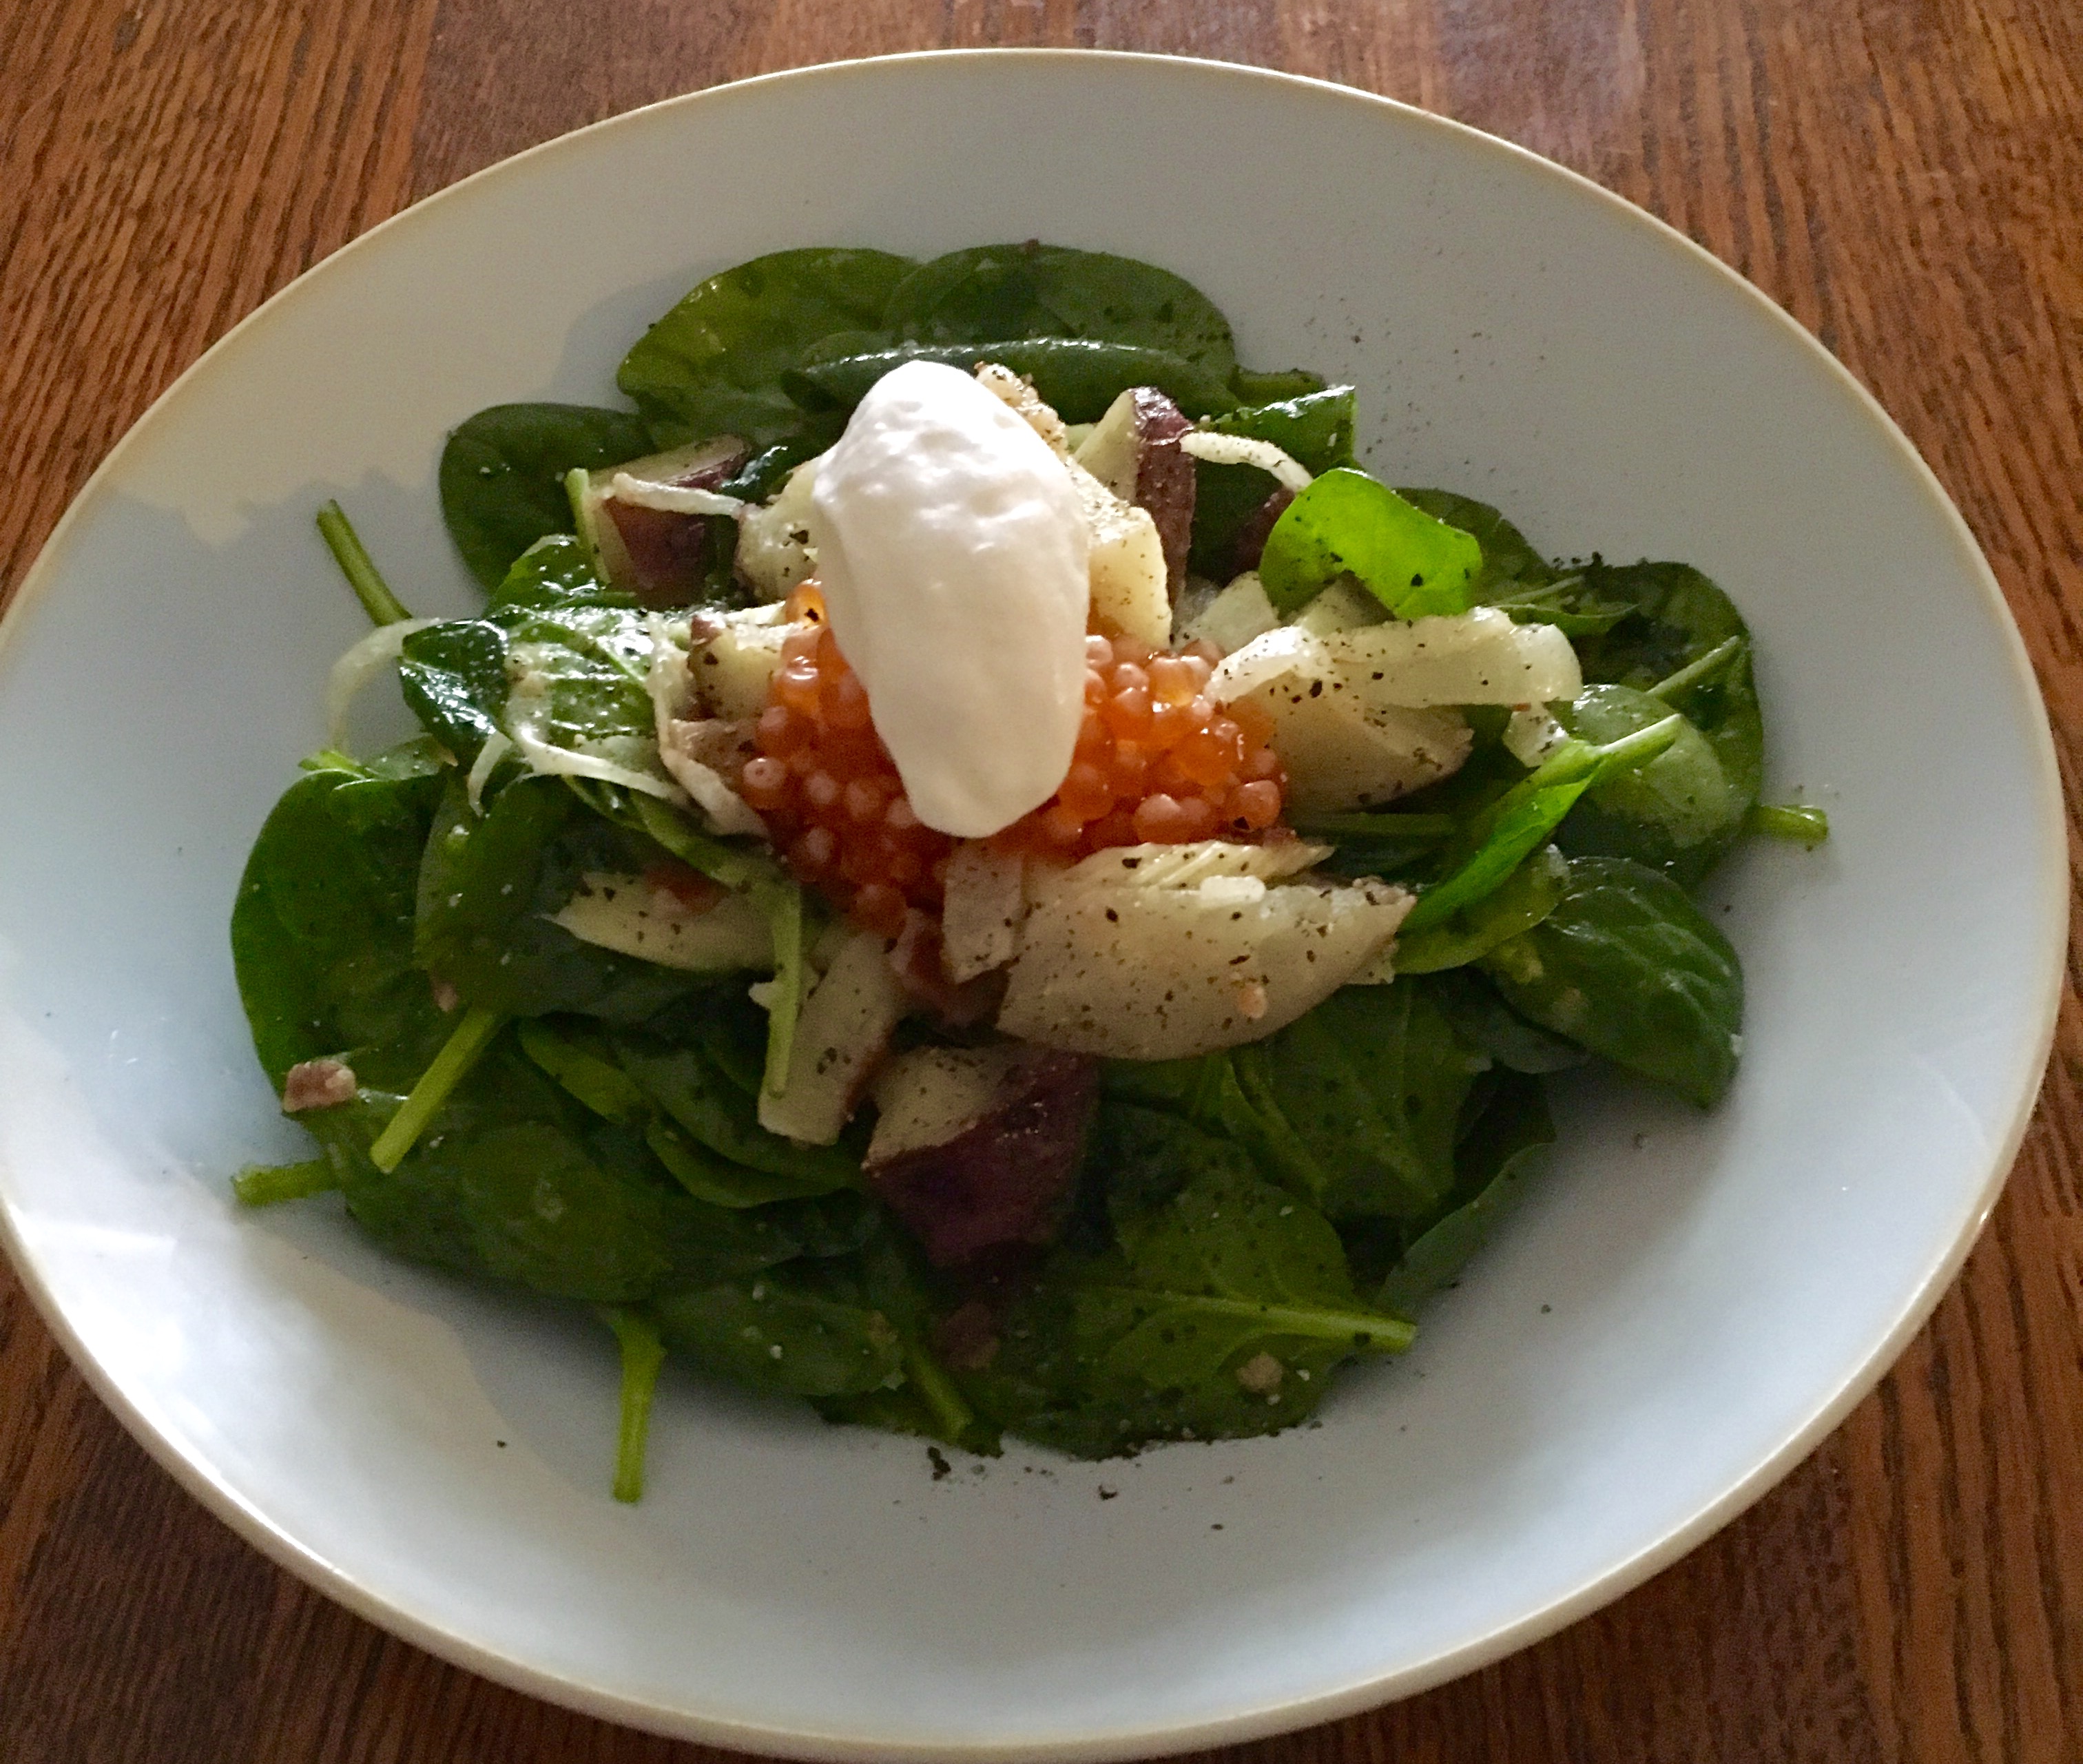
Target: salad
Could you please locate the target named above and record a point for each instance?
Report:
(977, 870)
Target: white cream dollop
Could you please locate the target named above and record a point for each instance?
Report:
(952, 553)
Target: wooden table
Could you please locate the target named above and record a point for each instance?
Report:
(1905, 176)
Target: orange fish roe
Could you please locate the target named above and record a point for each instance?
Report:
(825, 785)
(1156, 763)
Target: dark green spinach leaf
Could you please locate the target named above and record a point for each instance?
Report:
(1491, 1176)
(1681, 618)
(713, 365)
(507, 1183)
(1080, 379)
(1221, 1315)
(1629, 967)
(1469, 999)
(1678, 814)
(1315, 429)
(1371, 1082)
(990, 292)
(502, 475)
(322, 931)
(488, 886)
(774, 1331)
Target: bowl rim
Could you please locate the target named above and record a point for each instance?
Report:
(337, 1582)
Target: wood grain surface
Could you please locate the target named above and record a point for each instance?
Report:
(1904, 176)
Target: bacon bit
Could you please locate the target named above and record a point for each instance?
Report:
(1261, 1374)
(1251, 999)
(446, 999)
(317, 1084)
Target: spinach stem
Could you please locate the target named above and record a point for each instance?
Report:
(643, 1354)
(937, 1391)
(382, 606)
(264, 1185)
(732, 867)
(1789, 821)
(1694, 672)
(448, 1069)
(1365, 1330)
(1638, 749)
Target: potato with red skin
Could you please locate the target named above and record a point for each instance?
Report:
(977, 1149)
(657, 554)
(1134, 450)
(1248, 547)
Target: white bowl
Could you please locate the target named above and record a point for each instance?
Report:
(1684, 1306)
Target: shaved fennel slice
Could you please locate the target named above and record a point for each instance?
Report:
(1248, 451)
(671, 499)
(1167, 973)
(634, 917)
(551, 761)
(496, 747)
(361, 665)
(1184, 865)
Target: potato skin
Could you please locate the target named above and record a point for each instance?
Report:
(1165, 482)
(1005, 1179)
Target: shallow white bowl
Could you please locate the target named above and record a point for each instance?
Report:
(1683, 1307)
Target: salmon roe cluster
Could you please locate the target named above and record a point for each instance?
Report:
(1156, 763)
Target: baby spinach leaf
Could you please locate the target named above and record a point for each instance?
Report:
(1469, 999)
(1678, 814)
(581, 1061)
(1516, 578)
(452, 676)
(1493, 841)
(566, 663)
(1274, 385)
(1221, 1315)
(1629, 967)
(1037, 290)
(506, 1184)
(713, 365)
(1227, 1094)
(774, 1333)
(1079, 378)
(1143, 1156)
(555, 572)
(1491, 1163)
(1681, 616)
(487, 884)
(1524, 898)
(717, 1114)
(321, 929)
(1371, 1082)
(1348, 524)
(502, 475)
(1509, 561)
(1316, 429)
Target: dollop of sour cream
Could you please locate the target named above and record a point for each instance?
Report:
(952, 551)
